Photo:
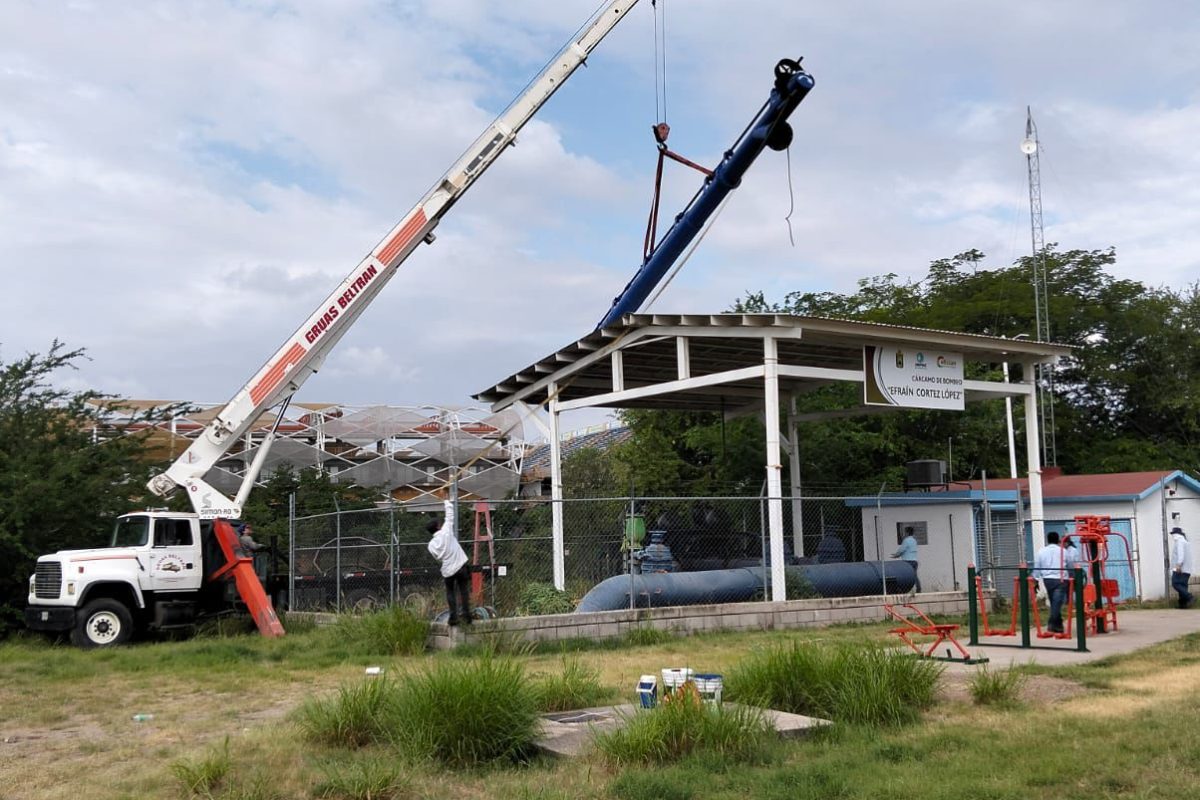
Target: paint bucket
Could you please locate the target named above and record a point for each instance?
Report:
(709, 685)
(673, 678)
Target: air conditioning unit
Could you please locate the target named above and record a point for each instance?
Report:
(923, 474)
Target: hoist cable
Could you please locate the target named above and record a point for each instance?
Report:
(791, 197)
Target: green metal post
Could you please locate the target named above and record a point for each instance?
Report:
(1080, 613)
(972, 606)
(1023, 594)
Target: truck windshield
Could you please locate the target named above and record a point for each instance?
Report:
(131, 532)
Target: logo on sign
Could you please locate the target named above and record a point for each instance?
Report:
(946, 363)
(921, 360)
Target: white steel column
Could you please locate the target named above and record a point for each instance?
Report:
(774, 479)
(794, 476)
(1037, 518)
(556, 508)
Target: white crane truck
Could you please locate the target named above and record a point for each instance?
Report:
(162, 569)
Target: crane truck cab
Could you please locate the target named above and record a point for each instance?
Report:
(156, 574)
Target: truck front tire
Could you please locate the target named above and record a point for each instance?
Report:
(102, 623)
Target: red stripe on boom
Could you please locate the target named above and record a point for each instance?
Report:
(275, 374)
(402, 237)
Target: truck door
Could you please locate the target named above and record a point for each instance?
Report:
(174, 557)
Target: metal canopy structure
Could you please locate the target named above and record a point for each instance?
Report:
(748, 363)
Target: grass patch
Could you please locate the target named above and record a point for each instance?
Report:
(393, 631)
(572, 686)
(646, 637)
(201, 778)
(999, 688)
(858, 684)
(685, 726)
(358, 715)
(375, 778)
(466, 713)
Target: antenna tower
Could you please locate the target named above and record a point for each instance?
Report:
(1031, 147)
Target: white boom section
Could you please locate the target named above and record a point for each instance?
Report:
(305, 351)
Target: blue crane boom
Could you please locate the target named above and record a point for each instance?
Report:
(768, 129)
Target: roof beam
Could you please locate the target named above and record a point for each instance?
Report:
(616, 398)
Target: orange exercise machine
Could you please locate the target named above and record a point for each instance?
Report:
(919, 624)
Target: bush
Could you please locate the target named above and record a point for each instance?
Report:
(1001, 688)
(537, 598)
(865, 685)
(393, 631)
(465, 713)
(685, 725)
(360, 714)
(573, 686)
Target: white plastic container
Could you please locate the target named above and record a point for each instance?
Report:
(710, 686)
(673, 678)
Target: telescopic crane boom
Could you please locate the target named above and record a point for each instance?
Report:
(305, 350)
(769, 128)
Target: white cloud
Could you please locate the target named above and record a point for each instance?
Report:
(181, 184)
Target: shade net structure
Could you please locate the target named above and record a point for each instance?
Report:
(410, 454)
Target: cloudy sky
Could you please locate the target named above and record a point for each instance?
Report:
(181, 183)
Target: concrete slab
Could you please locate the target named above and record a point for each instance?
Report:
(569, 733)
(1136, 629)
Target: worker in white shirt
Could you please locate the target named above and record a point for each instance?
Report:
(1050, 566)
(456, 573)
(908, 552)
(1181, 566)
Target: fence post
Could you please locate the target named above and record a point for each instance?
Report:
(291, 598)
(337, 550)
(393, 573)
(1023, 594)
(972, 606)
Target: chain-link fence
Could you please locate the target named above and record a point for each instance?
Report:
(615, 553)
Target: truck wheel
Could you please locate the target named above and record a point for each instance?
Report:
(102, 623)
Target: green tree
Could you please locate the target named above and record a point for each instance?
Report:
(1128, 398)
(61, 483)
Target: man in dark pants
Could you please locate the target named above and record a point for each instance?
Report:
(1049, 564)
(445, 548)
(1181, 566)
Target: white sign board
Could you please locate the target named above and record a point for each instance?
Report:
(912, 378)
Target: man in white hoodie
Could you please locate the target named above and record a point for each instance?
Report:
(1181, 566)
(445, 548)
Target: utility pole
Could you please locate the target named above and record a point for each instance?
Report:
(1030, 146)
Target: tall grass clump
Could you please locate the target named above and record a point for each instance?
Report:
(573, 686)
(465, 713)
(361, 713)
(858, 684)
(367, 779)
(393, 631)
(1002, 688)
(684, 726)
(201, 777)
(647, 637)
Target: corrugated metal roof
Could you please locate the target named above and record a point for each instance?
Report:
(1054, 486)
(804, 341)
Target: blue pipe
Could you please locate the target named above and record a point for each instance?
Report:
(769, 129)
(847, 579)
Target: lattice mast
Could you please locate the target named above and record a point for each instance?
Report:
(1041, 288)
